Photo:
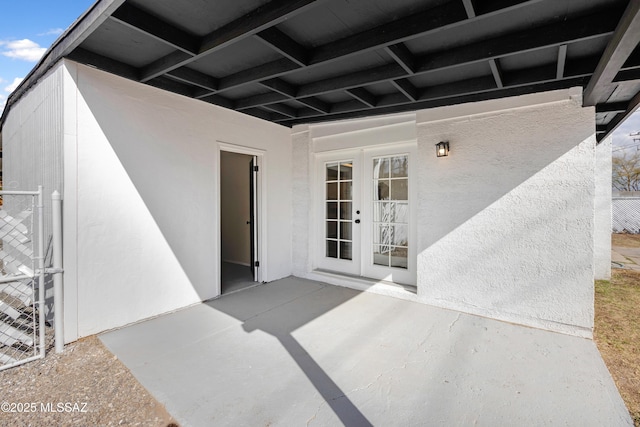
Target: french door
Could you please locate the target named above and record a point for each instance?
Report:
(365, 215)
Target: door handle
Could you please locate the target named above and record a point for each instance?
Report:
(357, 221)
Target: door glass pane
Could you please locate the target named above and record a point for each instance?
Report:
(345, 190)
(332, 210)
(332, 172)
(399, 235)
(399, 189)
(346, 171)
(390, 219)
(380, 234)
(332, 249)
(380, 168)
(381, 190)
(345, 230)
(332, 229)
(381, 211)
(332, 191)
(345, 250)
(380, 256)
(345, 210)
(400, 213)
(398, 257)
(399, 167)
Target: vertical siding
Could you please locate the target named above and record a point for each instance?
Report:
(32, 142)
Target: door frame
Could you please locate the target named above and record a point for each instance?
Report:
(261, 203)
(364, 153)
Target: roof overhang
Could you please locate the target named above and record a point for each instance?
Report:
(304, 61)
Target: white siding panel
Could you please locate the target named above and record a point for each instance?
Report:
(32, 146)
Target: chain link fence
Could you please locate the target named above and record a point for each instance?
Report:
(22, 323)
(625, 215)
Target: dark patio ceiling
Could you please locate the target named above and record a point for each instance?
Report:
(301, 61)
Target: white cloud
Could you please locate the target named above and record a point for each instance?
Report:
(24, 49)
(52, 32)
(13, 85)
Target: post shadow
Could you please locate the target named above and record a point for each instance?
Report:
(280, 325)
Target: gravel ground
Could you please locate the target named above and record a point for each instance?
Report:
(84, 386)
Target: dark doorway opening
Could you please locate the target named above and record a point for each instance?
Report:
(238, 226)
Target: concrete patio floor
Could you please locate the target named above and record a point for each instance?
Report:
(296, 352)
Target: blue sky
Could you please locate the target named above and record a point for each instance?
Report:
(29, 27)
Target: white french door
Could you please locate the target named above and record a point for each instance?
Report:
(365, 215)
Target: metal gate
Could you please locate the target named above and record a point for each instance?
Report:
(22, 278)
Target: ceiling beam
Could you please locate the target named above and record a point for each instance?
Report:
(170, 85)
(625, 39)
(282, 109)
(260, 100)
(496, 71)
(253, 75)
(359, 110)
(393, 73)
(612, 107)
(257, 20)
(468, 7)
(139, 20)
(290, 91)
(584, 28)
(632, 106)
(415, 25)
(403, 56)
(315, 104)
(280, 86)
(112, 66)
(262, 114)
(363, 96)
(392, 33)
(196, 78)
(219, 100)
(407, 89)
(352, 80)
(560, 62)
(627, 75)
(283, 44)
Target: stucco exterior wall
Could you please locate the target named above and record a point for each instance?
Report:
(505, 224)
(508, 218)
(603, 213)
(146, 202)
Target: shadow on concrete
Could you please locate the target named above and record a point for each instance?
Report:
(250, 312)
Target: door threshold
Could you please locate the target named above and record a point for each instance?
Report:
(365, 284)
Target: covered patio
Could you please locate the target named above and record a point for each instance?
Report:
(298, 352)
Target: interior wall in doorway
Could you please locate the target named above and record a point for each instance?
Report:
(234, 207)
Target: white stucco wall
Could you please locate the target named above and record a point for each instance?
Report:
(146, 199)
(508, 217)
(506, 222)
(602, 235)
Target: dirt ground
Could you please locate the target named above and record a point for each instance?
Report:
(626, 240)
(617, 327)
(84, 386)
